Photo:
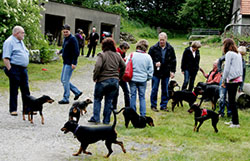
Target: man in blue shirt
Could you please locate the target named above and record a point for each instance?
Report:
(16, 59)
(70, 53)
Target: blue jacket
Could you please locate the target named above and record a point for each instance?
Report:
(70, 50)
(142, 66)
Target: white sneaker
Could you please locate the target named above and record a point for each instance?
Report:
(234, 126)
(228, 123)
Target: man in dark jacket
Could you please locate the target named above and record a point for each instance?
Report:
(190, 64)
(70, 53)
(93, 39)
(164, 60)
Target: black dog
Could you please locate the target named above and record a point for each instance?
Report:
(185, 95)
(172, 84)
(137, 121)
(211, 92)
(243, 101)
(200, 115)
(88, 135)
(78, 108)
(35, 104)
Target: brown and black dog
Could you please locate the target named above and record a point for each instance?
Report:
(88, 135)
(35, 104)
(201, 115)
(185, 95)
(78, 108)
(136, 120)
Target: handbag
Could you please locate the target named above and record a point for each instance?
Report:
(129, 70)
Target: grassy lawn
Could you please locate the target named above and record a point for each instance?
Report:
(172, 138)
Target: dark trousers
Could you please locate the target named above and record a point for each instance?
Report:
(189, 78)
(232, 90)
(18, 77)
(126, 95)
(91, 46)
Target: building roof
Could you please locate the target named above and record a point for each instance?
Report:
(245, 7)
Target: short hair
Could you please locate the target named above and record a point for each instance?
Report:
(16, 29)
(229, 45)
(142, 45)
(163, 34)
(242, 50)
(79, 31)
(196, 44)
(66, 27)
(124, 45)
(108, 44)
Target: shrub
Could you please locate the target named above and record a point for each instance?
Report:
(25, 13)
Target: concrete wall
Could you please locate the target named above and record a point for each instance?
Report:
(71, 13)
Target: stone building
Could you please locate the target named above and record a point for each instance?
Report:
(58, 14)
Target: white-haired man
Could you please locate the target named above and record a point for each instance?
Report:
(16, 59)
(93, 39)
(164, 61)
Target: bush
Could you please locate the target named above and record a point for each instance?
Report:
(148, 32)
(25, 13)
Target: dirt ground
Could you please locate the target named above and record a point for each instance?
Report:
(22, 141)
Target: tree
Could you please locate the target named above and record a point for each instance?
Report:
(156, 13)
(25, 13)
(205, 13)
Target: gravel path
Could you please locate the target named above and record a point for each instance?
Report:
(22, 141)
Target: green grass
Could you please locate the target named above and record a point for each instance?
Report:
(36, 73)
(172, 138)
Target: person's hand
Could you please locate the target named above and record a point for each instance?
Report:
(58, 52)
(158, 64)
(73, 66)
(223, 85)
(182, 72)
(171, 75)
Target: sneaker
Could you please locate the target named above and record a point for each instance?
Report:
(93, 121)
(228, 123)
(234, 125)
(14, 113)
(154, 109)
(77, 96)
(63, 102)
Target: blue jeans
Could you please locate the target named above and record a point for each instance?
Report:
(108, 89)
(141, 86)
(18, 77)
(125, 90)
(164, 92)
(189, 78)
(223, 102)
(65, 79)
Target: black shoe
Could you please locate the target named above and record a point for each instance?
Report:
(154, 109)
(77, 96)
(63, 102)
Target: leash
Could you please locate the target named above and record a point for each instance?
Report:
(76, 129)
(194, 94)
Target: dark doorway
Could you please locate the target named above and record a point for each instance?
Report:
(106, 28)
(53, 27)
(84, 25)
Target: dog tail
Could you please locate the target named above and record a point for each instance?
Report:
(114, 124)
(115, 113)
(120, 110)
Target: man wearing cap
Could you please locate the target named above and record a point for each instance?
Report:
(16, 59)
(70, 53)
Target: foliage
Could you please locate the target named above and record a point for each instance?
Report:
(25, 13)
(205, 13)
(161, 13)
(111, 6)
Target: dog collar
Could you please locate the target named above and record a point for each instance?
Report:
(76, 129)
(204, 112)
(194, 94)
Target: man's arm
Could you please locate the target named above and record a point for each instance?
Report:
(7, 63)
